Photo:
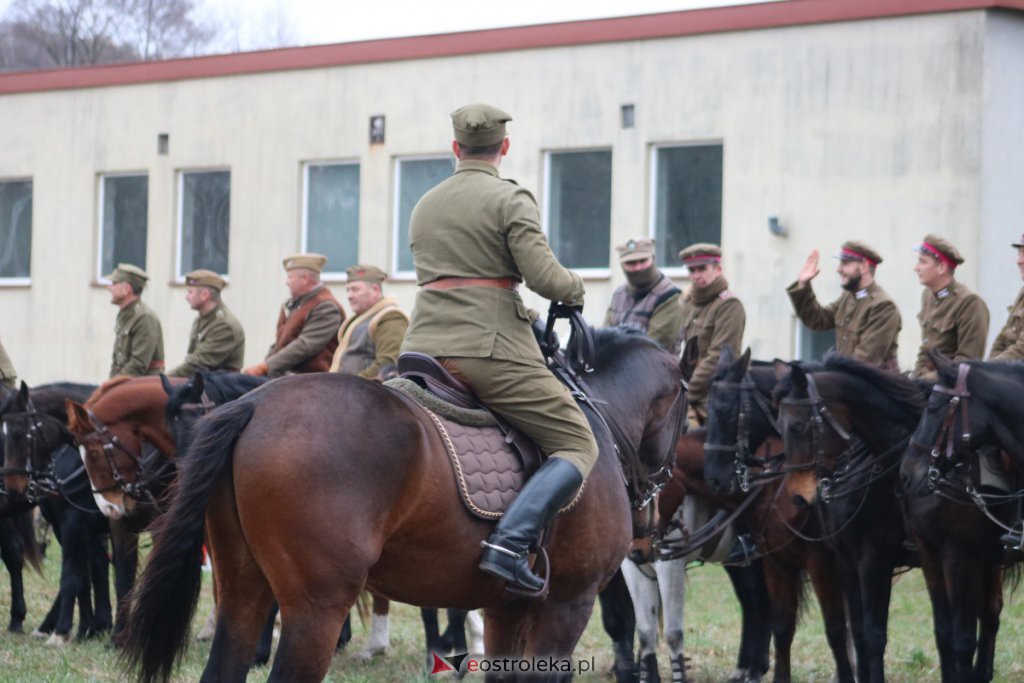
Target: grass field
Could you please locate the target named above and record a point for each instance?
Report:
(711, 637)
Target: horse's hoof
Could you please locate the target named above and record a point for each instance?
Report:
(738, 676)
(260, 661)
(41, 635)
(15, 628)
(371, 651)
(58, 640)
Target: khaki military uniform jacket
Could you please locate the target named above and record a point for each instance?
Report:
(371, 340)
(1009, 345)
(496, 227)
(714, 317)
(867, 322)
(138, 342)
(216, 342)
(953, 320)
(7, 372)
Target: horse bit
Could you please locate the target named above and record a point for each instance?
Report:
(743, 460)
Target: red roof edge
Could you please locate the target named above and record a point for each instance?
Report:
(643, 27)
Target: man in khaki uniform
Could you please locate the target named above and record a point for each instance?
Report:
(8, 376)
(1009, 345)
(469, 313)
(865, 318)
(307, 327)
(712, 314)
(953, 319)
(139, 339)
(371, 339)
(648, 302)
(217, 341)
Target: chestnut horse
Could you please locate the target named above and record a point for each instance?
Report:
(316, 486)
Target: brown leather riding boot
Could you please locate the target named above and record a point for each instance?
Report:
(506, 552)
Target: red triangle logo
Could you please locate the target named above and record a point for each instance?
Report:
(440, 665)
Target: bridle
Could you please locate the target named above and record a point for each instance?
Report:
(743, 459)
(946, 438)
(570, 367)
(109, 442)
(36, 438)
(819, 415)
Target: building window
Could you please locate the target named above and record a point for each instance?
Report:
(124, 207)
(578, 210)
(331, 214)
(204, 215)
(414, 178)
(687, 199)
(15, 231)
(811, 344)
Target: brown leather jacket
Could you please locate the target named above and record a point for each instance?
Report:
(290, 327)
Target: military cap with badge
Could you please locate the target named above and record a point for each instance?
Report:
(205, 278)
(635, 250)
(700, 254)
(126, 272)
(314, 262)
(940, 249)
(366, 273)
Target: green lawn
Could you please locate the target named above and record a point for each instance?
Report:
(711, 638)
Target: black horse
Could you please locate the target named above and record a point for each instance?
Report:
(956, 512)
(844, 429)
(742, 460)
(42, 467)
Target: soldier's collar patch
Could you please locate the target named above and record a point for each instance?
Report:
(942, 293)
(861, 293)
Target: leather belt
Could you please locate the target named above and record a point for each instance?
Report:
(454, 282)
(156, 365)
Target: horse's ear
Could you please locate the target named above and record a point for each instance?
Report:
(726, 357)
(23, 395)
(166, 384)
(78, 416)
(745, 360)
(946, 368)
(688, 363)
(781, 368)
(797, 376)
(198, 385)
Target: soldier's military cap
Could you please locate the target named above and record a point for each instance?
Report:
(700, 254)
(479, 125)
(1019, 243)
(314, 262)
(363, 273)
(635, 250)
(853, 250)
(205, 278)
(126, 272)
(941, 249)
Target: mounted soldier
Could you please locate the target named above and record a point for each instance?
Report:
(468, 313)
(1009, 344)
(217, 340)
(371, 339)
(954, 320)
(865, 318)
(307, 326)
(712, 314)
(648, 302)
(138, 336)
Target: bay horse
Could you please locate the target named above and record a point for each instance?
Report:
(308, 501)
(741, 462)
(42, 468)
(955, 518)
(844, 428)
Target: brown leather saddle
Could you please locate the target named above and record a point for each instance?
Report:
(491, 463)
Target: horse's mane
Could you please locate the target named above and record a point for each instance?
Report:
(220, 387)
(108, 385)
(903, 392)
(49, 398)
(611, 342)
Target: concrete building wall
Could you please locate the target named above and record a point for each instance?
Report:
(880, 129)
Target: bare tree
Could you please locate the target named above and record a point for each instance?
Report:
(51, 33)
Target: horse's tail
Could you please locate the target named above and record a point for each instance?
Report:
(24, 525)
(164, 600)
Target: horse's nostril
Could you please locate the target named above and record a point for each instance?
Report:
(800, 502)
